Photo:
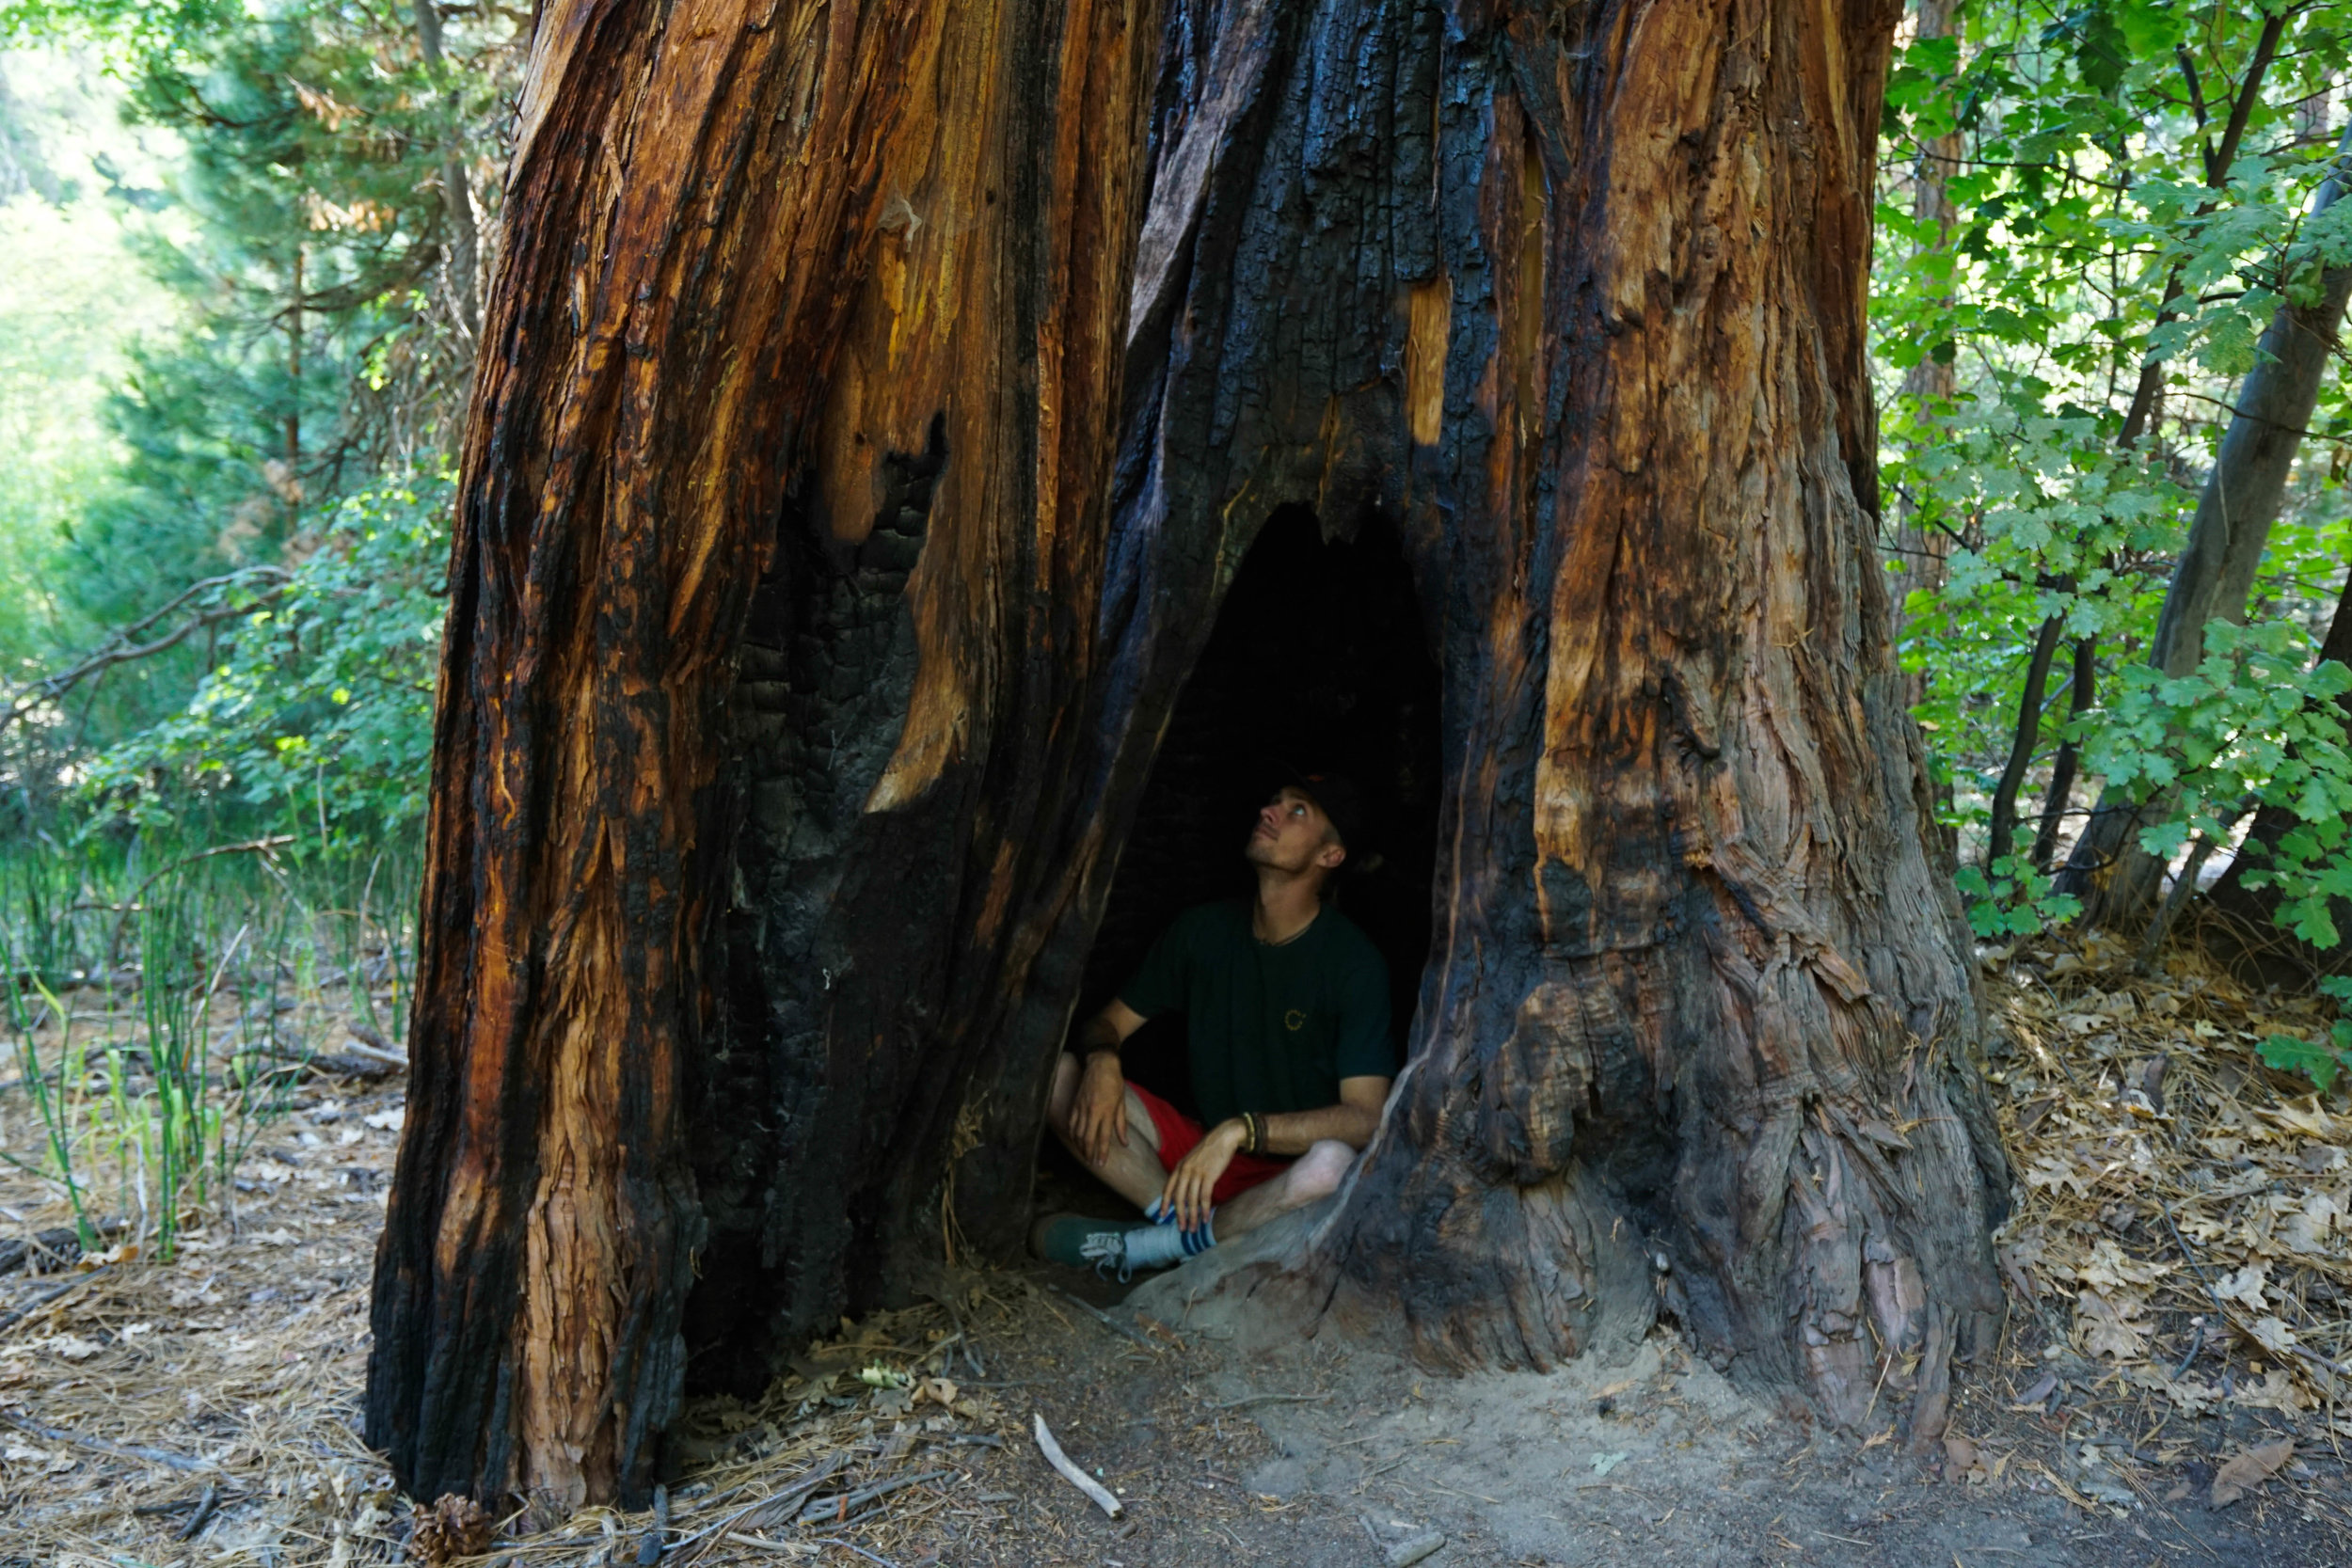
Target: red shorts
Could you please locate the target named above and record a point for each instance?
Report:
(1179, 1133)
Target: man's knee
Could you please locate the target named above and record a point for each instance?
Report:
(1318, 1173)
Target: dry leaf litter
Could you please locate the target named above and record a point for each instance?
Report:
(2179, 1261)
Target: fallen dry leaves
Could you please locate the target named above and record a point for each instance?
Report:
(2183, 1214)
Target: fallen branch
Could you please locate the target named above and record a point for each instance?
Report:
(1071, 1473)
(1405, 1553)
(372, 1045)
(10, 1319)
(60, 1246)
(771, 1510)
(205, 1507)
(119, 1451)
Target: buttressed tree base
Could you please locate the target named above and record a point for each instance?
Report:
(877, 398)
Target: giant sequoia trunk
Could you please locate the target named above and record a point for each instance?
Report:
(880, 401)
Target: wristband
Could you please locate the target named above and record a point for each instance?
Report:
(1253, 1131)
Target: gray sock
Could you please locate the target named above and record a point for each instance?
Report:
(1156, 1246)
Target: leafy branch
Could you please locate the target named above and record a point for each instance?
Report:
(123, 645)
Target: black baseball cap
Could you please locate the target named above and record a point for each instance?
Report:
(1343, 803)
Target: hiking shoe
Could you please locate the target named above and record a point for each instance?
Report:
(1079, 1241)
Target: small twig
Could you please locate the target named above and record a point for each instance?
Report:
(1105, 1319)
(852, 1546)
(1071, 1473)
(10, 1319)
(1269, 1398)
(839, 1506)
(119, 1451)
(2221, 1308)
(204, 1506)
(774, 1508)
(118, 648)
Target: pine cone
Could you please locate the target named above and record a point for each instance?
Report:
(453, 1527)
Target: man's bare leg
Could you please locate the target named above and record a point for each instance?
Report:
(1131, 1169)
(1314, 1174)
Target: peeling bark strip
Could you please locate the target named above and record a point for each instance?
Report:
(752, 240)
(1698, 992)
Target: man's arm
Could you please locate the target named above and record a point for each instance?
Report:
(1352, 1121)
(1100, 1113)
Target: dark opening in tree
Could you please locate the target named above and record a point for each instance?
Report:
(1318, 662)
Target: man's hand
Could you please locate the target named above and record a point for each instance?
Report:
(1195, 1176)
(1100, 1112)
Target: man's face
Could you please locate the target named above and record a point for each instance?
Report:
(1291, 834)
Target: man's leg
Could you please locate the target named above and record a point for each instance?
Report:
(1314, 1173)
(1131, 1169)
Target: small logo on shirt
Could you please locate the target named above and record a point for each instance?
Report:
(1295, 1020)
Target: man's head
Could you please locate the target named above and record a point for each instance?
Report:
(1306, 828)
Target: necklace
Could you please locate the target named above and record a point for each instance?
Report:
(1282, 942)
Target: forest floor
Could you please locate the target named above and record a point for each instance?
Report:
(203, 1412)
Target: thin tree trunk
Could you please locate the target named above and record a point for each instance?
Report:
(2115, 877)
(292, 454)
(465, 240)
(2027, 735)
(2081, 694)
(1921, 552)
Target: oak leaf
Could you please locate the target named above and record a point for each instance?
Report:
(2246, 1471)
(2108, 1327)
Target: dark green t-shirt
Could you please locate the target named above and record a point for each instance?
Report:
(1270, 1028)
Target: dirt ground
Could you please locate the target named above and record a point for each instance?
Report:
(203, 1412)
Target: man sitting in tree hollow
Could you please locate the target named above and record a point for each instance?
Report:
(1286, 1010)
